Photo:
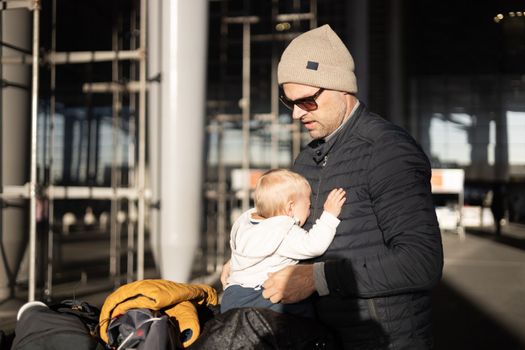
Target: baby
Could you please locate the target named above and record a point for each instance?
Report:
(269, 237)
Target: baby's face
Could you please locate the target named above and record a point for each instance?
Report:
(301, 208)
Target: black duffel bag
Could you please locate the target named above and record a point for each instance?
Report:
(256, 328)
(65, 326)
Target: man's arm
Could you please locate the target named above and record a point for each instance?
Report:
(290, 285)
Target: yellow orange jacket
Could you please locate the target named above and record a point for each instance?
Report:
(178, 300)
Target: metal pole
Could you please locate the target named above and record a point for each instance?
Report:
(245, 101)
(75, 192)
(91, 56)
(313, 12)
(142, 142)
(221, 200)
(274, 126)
(105, 87)
(220, 239)
(246, 111)
(32, 183)
(115, 226)
(2, 139)
(75, 57)
(274, 104)
(131, 156)
(48, 291)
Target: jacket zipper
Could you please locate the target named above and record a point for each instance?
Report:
(323, 164)
(372, 309)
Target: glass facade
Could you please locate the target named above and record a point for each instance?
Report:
(474, 122)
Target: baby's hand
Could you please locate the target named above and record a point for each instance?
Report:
(334, 202)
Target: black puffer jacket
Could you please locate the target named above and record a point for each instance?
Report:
(387, 253)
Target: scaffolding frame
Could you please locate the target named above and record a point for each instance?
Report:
(137, 194)
(219, 192)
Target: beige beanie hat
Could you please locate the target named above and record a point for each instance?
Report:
(318, 58)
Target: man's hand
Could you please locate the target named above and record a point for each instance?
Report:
(225, 274)
(290, 285)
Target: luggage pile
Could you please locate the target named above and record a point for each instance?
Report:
(163, 315)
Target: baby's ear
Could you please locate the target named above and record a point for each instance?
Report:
(289, 208)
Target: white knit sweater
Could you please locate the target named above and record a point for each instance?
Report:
(268, 245)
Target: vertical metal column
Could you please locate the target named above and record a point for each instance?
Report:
(48, 289)
(274, 99)
(246, 61)
(220, 240)
(155, 123)
(501, 161)
(33, 179)
(245, 101)
(16, 37)
(221, 201)
(114, 265)
(2, 288)
(221, 195)
(183, 98)
(131, 157)
(31, 190)
(142, 142)
(313, 12)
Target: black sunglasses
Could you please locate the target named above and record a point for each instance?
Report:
(306, 103)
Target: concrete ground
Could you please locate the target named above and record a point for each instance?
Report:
(479, 304)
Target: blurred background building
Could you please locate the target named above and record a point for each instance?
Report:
(132, 131)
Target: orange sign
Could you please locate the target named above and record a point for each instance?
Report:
(437, 179)
(447, 180)
(255, 174)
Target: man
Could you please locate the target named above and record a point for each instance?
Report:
(374, 280)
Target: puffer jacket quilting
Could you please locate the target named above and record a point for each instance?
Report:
(387, 253)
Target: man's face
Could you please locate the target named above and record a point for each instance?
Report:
(332, 109)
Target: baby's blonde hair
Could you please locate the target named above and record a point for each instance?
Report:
(275, 189)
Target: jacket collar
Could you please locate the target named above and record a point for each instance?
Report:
(321, 147)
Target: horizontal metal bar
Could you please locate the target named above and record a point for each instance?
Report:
(132, 86)
(20, 59)
(294, 16)
(13, 192)
(274, 127)
(274, 37)
(241, 19)
(93, 56)
(15, 4)
(215, 194)
(225, 117)
(75, 192)
(77, 57)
